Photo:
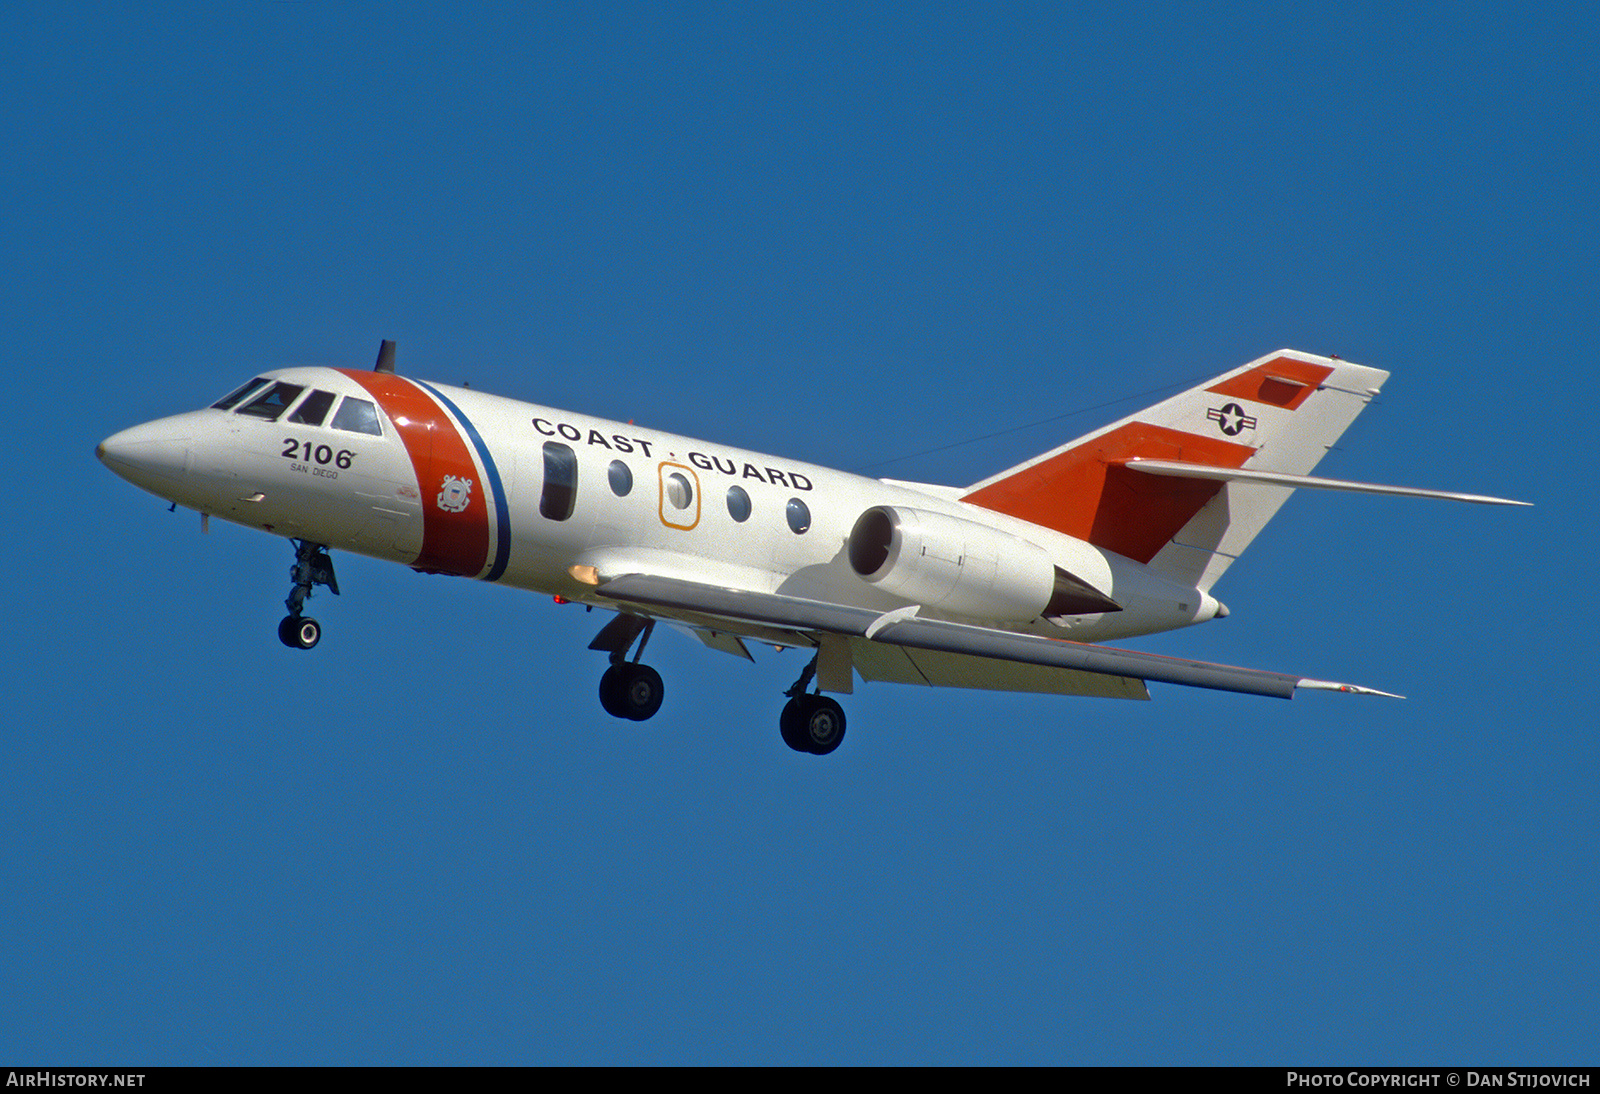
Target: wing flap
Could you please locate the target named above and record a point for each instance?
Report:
(939, 637)
(934, 668)
(722, 640)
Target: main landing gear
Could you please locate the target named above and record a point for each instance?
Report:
(811, 723)
(312, 566)
(628, 689)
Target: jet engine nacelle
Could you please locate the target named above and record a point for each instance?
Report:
(954, 565)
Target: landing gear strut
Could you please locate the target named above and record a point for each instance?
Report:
(312, 566)
(811, 723)
(628, 689)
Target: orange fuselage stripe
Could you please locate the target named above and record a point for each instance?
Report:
(452, 542)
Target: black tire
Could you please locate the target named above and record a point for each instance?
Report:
(822, 724)
(792, 728)
(611, 685)
(299, 632)
(631, 691)
(307, 633)
(642, 695)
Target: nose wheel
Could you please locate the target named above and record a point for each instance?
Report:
(312, 566)
(299, 632)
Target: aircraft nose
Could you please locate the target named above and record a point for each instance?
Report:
(153, 455)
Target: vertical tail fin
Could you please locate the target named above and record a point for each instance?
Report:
(1280, 413)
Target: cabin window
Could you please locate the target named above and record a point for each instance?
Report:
(680, 495)
(679, 506)
(227, 402)
(314, 410)
(273, 402)
(799, 516)
(738, 504)
(621, 478)
(358, 416)
(560, 492)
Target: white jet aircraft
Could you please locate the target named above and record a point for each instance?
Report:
(996, 585)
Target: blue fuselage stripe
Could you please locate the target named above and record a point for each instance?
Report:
(502, 515)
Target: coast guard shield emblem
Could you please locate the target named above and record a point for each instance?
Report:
(456, 494)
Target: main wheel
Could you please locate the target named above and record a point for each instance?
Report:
(823, 723)
(812, 723)
(643, 695)
(299, 632)
(611, 687)
(631, 691)
(791, 726)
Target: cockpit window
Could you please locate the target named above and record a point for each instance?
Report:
(227, 401)
(358, 416)
(315, 408)
(273, 402)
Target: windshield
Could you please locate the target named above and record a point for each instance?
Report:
(273, 402)
(228, 401)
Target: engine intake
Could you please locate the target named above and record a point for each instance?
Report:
(957, 566)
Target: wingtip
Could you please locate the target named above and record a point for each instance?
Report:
(1348, 689)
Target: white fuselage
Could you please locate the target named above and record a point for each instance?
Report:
(474, 484)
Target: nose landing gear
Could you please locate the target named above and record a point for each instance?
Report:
(312, 566)
(299, 632)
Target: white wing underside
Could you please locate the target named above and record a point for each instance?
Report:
(905, 648)
(879, 661)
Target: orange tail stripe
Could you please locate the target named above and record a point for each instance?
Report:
(1281, 381)
(1082, 493)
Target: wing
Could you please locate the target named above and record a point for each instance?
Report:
(935, 640)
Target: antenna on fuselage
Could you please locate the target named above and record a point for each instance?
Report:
(385, 357)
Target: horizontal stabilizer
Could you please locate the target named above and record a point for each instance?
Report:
(1176, 469)
(899, 629)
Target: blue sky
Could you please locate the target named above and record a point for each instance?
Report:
(843, 236)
